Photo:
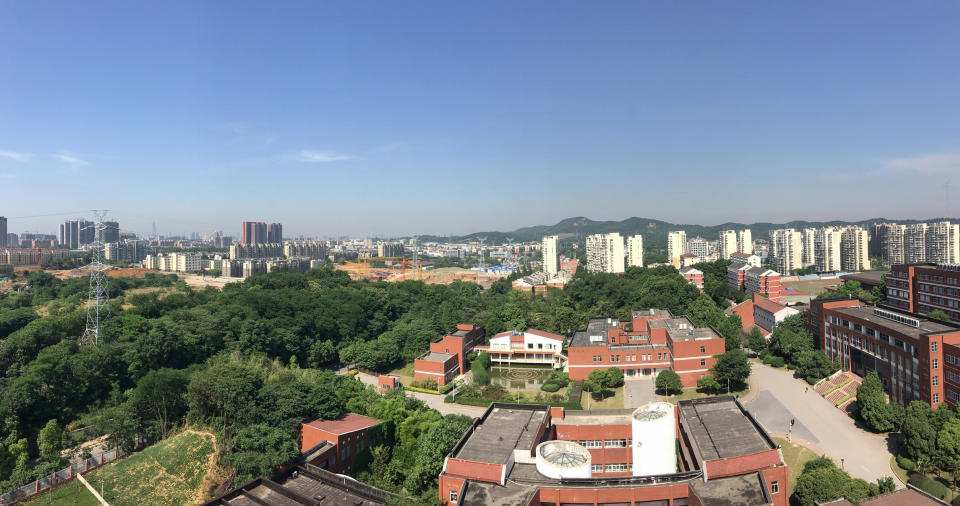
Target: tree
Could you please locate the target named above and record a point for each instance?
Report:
(814, 364)
(919, 434)
(614, 377)
(733, 367)
(669, 382)
(938, 314)
(872, 406)
(756, 341)
(885, 485)
(948, 447)
(260, 451)
(432, 447)
(50, 441)
(708, 385)
(820, 485)
(160, 397)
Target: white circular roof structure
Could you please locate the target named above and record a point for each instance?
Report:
(563, 459)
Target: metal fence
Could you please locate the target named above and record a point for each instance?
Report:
(58, 478)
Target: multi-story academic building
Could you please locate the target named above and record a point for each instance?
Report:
(447, 356)
(697, 452)
(529, 347)
(924, 288)
(915, 357)
(653, 340)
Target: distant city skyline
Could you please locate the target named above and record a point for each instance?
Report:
(450, 118)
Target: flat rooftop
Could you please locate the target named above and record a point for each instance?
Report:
(870, 277)
(681, 328)
(459, 333)
(663, 313)
(435, 356)
(598, 417)
(310, 487)
(595, 327)
(503, 430)
(743, 489)
(719, 428)
(927, 326)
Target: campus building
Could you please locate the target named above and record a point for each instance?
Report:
(529, 347)
(693, 276)
(915, 357)
(924, 288)
(447, 356)
(653, 340)
(697, 452)
(762, 312)
(335, 444)
(762, 281)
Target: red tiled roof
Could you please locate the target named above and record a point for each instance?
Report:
(542, 333)
(904, 497)
(767, 304)
(349, 422)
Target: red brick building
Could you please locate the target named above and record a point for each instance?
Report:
(693, 276)
(701, 451)
(335, 444)
(915, 357)
(762, 281)
(387, 382)
(447, 356)
(652, 341)
(924, 288)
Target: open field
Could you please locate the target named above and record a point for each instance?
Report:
(812, 288)
(173, 471)
(440, 276)
(70, 494)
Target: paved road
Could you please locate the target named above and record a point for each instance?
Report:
(434, 401)
(639, 392)
(781, 398)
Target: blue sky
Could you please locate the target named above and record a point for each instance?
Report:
(451, 117)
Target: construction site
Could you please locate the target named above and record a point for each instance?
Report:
(395, 269)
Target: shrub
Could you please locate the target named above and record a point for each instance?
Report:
(956, 501)
(773, 361)
(549, 387)
(932, 487)
(906, 463)
(425, 384)
(668, 382)
(590, 386)
(812, 380)
(707, 384)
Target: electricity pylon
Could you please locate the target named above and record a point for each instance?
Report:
(98, 301)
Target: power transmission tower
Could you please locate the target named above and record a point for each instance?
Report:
(98, 301)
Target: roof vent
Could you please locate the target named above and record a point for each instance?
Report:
(651, 311)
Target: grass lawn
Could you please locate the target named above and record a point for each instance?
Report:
(794, 456)
(613, 402)
(69, 494)
(169, 472)
(813, 288)
(692, 393)
(405, 373)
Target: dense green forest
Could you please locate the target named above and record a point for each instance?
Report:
(253, 360)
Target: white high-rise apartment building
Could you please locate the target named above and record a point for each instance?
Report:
(551, 255)
(699, 246)
(854, 254)
(635, 251)
(745, 241)
(892, 237)
(915, 244)
(727, 243)
(786, 249)
(826, 246)
(605, 253)
(809, 239)
(676, 246)
(943, 243)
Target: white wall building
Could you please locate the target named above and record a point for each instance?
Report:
(551, 255)
(809, 251)
(727, 243)
(745, 241)
(635, 251)
(676, 246)
(530, 347)
(854, 255)
(786, 249)
(826, 247)
(605, 253)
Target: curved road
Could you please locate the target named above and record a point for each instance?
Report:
(434, 401)
(778, 397)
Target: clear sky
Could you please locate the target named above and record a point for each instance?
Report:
(405, 117)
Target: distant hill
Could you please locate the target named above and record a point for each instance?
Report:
(654, 231)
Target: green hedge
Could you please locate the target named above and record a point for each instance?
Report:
(906, 463)
(549, 387)
(930, 486)
(423, 390)
(486, 402)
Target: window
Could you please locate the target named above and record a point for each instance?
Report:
(596, 468)
(453, 496)
(936, 398)
(774, 487)
(615, 443)
(936, 363)
(936, 380)
(933, 346)
(615, 468)
(591, 443)
(703, 349)
(611, 358)
(539, 346)
(703, 362)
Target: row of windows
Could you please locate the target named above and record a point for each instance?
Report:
(939, 289)
(938, 278)
(631, 358)
(540, 346)
(952, 376)
(933, 299)
(610, 468)
(605, 443)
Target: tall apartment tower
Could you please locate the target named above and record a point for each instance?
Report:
(854, 249)
(3, 232)
(892, 243)
(915, 244)
(253, 232)
(786, 249)
(698, 246)
(76, 233)
(274, 233)
(551, 255)
(605, 253)
(676, 246)
(809, 240)
(826, 247)
(635, 251)
(943, 243)
(745, 241)
(727, 243)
